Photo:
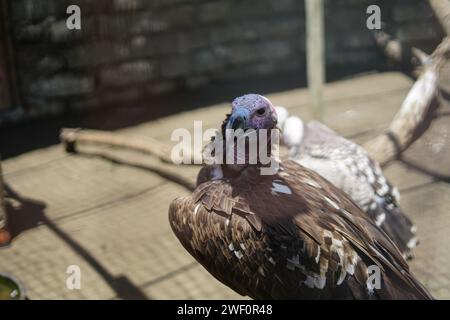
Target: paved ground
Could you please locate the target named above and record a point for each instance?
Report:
(111, 219)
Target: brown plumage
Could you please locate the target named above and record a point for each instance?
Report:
(292, 235)
(264, 244)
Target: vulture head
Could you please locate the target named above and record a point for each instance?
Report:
(251, 111)
(238, 146)
(242, 133)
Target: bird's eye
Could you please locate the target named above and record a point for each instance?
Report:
(261, 111)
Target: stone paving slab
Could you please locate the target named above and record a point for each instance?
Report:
(429, 155)
(191, 283)
(40, 259)
(429, 207)
(33, 160)
(111, 219)
(431, 151)
(66, 180)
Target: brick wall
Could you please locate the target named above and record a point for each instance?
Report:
(130, 49)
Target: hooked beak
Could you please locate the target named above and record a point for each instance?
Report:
(239, 119)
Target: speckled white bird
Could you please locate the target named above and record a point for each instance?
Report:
(350, 168)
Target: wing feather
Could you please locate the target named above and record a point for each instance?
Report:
(312, 242)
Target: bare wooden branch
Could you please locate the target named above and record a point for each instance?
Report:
(410, 59)
(392, 48)
(441, 9)
(422, 57)
(72, 137)
(415, 113)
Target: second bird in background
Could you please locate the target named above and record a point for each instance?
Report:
(349, 167)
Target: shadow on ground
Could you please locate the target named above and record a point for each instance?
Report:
(24, 214)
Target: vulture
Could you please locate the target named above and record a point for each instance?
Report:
(287, 235)
(350, 168)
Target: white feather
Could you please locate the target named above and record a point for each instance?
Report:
(380, 219)
(279, 188)
(412, 243)
(293, 131)
(282, 115)
(196, 209)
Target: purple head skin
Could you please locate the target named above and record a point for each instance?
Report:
(255, 113)
(252, 111)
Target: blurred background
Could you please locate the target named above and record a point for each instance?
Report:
(143, 68)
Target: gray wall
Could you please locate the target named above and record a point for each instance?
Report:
(130, 49)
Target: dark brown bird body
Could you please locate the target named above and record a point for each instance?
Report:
(292, 235)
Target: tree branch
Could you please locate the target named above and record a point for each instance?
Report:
(441, 9)
(415, 114)
(72, 137)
